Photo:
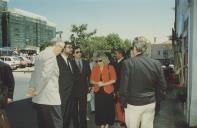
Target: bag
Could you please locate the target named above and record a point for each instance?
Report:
(3, 95)
(119, 109)
(89, 97)
(3, 119)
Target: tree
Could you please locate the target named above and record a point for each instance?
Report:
(127, 47)
(114, 41)
(80, 34)
(44, 45)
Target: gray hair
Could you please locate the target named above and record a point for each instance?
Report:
(140, 43)
(55, 40)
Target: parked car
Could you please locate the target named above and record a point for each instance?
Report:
(23, 63)
(29, 63)
(10, 60)
(32, 59)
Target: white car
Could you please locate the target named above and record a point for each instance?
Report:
(10, 60)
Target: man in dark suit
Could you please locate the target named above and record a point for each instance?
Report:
(7, 79)
(66, 83)
(6, 91)
(141, 77)
(119, 54)
(80, 90)
(120, 57)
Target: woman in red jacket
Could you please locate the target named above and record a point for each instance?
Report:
(103, 77)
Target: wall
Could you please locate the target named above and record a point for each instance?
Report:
(192, 110)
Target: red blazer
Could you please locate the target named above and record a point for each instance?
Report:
(107, 74)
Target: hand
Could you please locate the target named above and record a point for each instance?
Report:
(100, 84)
(9, 100)
(31, 92)
(92, 89)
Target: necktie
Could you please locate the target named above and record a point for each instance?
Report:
(80, 66)
(68, 64)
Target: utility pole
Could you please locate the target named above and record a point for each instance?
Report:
(155, 39)
(59, 33)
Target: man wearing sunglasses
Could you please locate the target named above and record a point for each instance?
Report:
(66, 82)
(80, 90)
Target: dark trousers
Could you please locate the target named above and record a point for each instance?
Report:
(67, 112)
(49, 116)
(79, 112)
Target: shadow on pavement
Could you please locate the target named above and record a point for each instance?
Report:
(21, 114)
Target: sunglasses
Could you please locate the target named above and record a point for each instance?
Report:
(77, 52)
(99, 61)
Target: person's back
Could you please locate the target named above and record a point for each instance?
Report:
(145, 73)
(141, 79)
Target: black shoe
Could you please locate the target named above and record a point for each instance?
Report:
(123, 125)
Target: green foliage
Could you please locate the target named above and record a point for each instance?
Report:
(80, 34)
(44, 45)
(114, 41)
(91, 44)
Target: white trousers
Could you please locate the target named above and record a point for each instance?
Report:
(136, 115)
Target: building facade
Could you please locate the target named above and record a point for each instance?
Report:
(185, 43)
(20, 29)
(3, 8)
(163, 52)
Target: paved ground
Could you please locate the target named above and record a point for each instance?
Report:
(22, 115)
(171, 115)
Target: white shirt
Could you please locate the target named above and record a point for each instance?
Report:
(120, 59)
(66, 60)
(45, 79)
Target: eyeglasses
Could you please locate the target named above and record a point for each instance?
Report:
(98, 61)
(77, 52)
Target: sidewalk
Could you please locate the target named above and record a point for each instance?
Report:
(171, 114)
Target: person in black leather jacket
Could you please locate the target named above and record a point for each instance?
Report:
(141, 80)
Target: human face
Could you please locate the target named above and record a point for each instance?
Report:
(100, 62)
(77, 53)
(68, 49)
(58, 47)
(117, 55)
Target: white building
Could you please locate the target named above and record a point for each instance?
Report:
(163, 52)
(185, 44)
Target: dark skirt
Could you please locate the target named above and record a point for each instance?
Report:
(104, 108)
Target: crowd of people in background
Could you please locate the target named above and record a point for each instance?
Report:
(120, 90)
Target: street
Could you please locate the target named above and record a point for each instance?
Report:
(21, 84)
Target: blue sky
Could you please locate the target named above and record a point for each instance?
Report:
(128, 18)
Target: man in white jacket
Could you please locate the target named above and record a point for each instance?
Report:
(44, 87)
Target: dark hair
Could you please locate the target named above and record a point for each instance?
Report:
(76, 47)
(67, 43)
(121, 51)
